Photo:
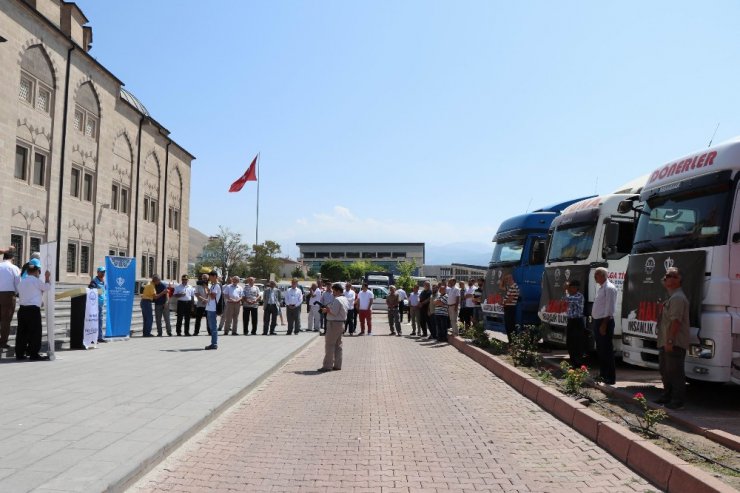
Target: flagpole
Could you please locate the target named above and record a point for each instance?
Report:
(257, 222)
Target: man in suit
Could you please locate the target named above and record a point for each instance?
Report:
(271, 303)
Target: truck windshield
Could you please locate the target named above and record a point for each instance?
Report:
(572, 242)
(688, 219)
(507, 252)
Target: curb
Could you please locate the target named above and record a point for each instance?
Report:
(721, 437)
(661, 468)
(150, 463)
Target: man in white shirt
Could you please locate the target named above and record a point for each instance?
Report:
(351, 322)
(233, 297)
(314, 315)
(214, 295)
(453, 303)
(293, 302)
(602, 314)
(30, 292)
(469, 304)
(402, 297)
(250, 300)
(10, 276)
(184, 294)
(414, 310)
(365, 297)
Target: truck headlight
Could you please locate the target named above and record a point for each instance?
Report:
(627, 340)
(704, 350)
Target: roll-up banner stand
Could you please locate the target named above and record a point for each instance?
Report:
(49, 263)
(90, 334)
(644, 292)
(120, 279)
(553, 307)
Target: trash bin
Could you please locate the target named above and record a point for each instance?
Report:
(77, 322)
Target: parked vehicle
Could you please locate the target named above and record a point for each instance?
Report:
(519, 249)
(380, 293)
(379, 278)
(688, 216)
(589, 234)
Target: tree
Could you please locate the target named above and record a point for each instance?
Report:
(224, 251)
(356, 270)
(265, 260)
(334, 270)
(297, 273)
(312, 273)
(405, 270)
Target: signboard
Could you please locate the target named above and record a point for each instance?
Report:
(49, 263)
(494, 294)
(120, 280)
(644, 293)
(553, 307)
(90, 334)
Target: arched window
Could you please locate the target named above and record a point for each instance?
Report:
(37, 80)
(87, 112)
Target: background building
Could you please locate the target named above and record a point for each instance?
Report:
(387, 255)
(81, 159)
(461, 272)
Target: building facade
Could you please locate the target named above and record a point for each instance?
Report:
(387, 255)
(81, 159)
(461, 272)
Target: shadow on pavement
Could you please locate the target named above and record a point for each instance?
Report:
(188, 350)
(307, 372)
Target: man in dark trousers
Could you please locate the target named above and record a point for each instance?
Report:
(673, 341)
(30, 296)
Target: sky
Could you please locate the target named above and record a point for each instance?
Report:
(420, 121)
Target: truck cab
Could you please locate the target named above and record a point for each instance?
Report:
(588, 234)
(689, 218)
(519, 248)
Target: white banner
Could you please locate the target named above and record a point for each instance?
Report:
(49, 263)
(90, 336)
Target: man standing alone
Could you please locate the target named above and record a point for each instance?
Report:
(214, 295)
(10, 276)
(673, 340)
(293, 302)
(602, 313)
(336, 314)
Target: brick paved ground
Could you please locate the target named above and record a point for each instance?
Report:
(402, 415)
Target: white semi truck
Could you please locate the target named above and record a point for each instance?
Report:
(688, 216)
(588, 234)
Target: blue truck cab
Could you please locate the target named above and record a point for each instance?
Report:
(520, 248)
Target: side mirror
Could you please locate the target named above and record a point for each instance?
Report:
(611, 236)
(625, 206)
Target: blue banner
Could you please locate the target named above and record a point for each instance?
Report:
(120, 280)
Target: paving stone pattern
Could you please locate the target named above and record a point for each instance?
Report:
(91, 419)
(402, 416)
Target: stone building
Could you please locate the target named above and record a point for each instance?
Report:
(81, 159)
(386, 255)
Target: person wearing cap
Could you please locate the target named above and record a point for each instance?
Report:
(336, 315)
(30, 296)
(98, 282)
(35, 261)
(214, 295)
(10, 276)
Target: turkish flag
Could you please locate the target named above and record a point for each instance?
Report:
(249, 175)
